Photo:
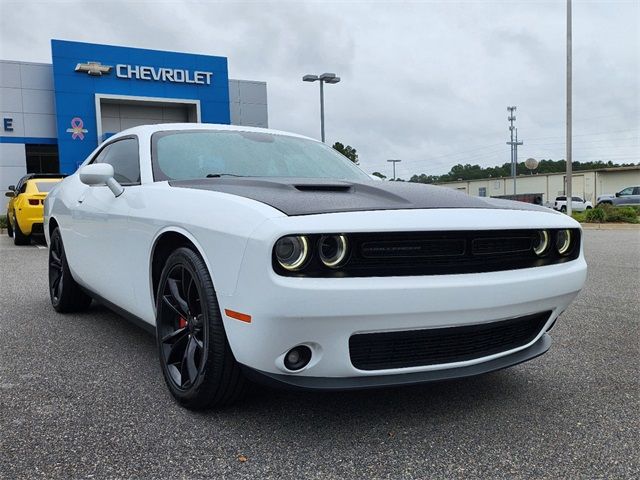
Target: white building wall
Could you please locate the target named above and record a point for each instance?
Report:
(587, 184)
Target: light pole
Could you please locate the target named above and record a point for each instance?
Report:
(568, 191)
(324, 78)
(394, 167)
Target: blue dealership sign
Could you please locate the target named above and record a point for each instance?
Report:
(83, 73)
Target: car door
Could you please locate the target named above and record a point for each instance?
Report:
(635, 198)
(624, 196)
(100, 225)
(577, 204)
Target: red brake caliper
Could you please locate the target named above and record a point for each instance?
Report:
(182, 323)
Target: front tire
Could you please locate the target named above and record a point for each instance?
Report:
(196, 359)
(19, 238)
(66, 295)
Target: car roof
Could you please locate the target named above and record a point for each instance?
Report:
(148, 130)
(48, 180)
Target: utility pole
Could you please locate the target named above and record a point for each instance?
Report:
(569, 173)
(514, 145)
(394, 167)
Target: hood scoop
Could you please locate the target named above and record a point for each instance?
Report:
(307, 187)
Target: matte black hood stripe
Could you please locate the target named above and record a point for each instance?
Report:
(315, 196)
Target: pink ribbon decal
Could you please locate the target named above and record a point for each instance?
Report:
(77, 130)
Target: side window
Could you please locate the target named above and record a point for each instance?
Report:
(627, 191)
(636, 191)
(123, 156)
(577, 199)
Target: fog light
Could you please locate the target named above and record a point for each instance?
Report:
(297, 358)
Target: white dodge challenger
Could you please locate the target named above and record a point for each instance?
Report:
(261, 255)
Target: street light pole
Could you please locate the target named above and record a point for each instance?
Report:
(324, 78)
(569, 172)
(394, 167)
(322, 110)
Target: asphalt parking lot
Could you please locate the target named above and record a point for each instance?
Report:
(82, 396)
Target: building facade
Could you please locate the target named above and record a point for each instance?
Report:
(587, 184)
(54, 115)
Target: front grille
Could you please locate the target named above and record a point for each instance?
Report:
(416, 348)
(386, 254)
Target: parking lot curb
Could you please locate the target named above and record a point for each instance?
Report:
(611, 226)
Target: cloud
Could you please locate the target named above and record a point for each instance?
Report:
(426, 82)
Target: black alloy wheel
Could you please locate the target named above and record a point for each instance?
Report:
(182, 330)
(196, 360)
(9, 227)
(19, 238)
(56, 281)
(66, 295)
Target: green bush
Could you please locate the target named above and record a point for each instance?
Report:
(596, 215)
(3, 221)
(622, 214)
(609, 213)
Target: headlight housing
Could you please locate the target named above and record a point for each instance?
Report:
(333, 250)
(541, 243)
(563, 242)
(292, 252)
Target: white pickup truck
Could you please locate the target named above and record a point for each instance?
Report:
(577, 204)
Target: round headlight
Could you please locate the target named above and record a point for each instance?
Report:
(292, 252)
(563, 241)
(541, 243)
(333, 250)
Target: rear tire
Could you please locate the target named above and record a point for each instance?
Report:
(196, 359)
(563, 209)
(19, 238)
(9, 227)
(589, 208)
(66, 295)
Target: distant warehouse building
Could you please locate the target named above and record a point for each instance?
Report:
(53, 115)
(588, 184)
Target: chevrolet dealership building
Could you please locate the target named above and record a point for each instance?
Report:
(53, 115)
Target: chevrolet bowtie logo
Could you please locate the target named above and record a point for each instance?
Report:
(93, 68)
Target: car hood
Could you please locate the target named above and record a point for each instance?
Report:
(315, 196)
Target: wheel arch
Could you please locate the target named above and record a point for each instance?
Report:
(166, 241)
(53, 224)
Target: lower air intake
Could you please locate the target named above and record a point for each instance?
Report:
(415, 348)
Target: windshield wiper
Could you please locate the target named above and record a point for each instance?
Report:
(218, 175)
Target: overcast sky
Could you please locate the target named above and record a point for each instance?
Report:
(425, 82)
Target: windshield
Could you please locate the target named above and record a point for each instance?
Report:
(184, 155)
(45, 186)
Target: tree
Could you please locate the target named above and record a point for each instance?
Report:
(348, 151)
(379, 175)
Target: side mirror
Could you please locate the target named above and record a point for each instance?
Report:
(12, 188)
(617, 194)
(100, 174)
(10, 194)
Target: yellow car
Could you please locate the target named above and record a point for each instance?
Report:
(25, 210)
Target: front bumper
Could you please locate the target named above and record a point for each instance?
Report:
(324, 313)
(400, 379)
